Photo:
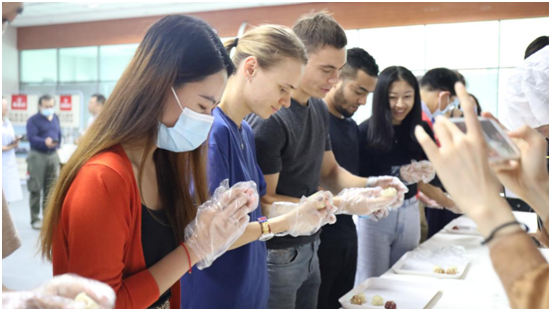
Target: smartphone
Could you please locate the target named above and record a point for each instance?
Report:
(500, 145)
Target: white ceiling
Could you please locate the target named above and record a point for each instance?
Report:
(49, 13)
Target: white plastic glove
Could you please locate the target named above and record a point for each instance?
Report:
(327, 197)
(306, 217)
(378, 215)
(428, 202)
(60, 293)
(364, 201)
(388, 182)
(417, 171)
(433, 204)
(221, 221)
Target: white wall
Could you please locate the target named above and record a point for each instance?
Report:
(10, 62)
(486, 53)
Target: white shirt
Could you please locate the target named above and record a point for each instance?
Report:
(90, 121)
(527, 92)
(426, 110)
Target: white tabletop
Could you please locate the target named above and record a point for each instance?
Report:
(480, 287)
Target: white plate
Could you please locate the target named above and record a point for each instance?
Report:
(462, 226)
(413, 267)
(406, 295)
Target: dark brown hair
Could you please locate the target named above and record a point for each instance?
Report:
(318, 30)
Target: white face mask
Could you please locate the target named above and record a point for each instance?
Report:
(451, 105)
(190, 131)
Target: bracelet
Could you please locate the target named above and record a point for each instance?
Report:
(524, 227)
(188, 257)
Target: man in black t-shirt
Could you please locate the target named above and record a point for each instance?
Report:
(339, 243)
(294, 152)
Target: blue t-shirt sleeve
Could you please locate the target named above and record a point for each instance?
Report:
(261, 182)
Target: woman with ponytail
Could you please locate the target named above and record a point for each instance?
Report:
(269, 62)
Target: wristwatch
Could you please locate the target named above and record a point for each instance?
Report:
(266, 230)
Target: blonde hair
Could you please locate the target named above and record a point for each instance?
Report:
(270, 44)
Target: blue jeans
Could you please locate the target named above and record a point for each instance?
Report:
(381, 244)
(294, 277)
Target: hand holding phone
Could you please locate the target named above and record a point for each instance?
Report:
(51, 143)
(500, 146)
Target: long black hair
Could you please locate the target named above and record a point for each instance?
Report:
(381, 134)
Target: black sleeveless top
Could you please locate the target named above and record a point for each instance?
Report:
(157, 242)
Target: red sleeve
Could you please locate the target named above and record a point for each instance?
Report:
(98, 219)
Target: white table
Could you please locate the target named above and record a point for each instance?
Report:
(480, 287)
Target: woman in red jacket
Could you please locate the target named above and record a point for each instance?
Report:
(129, 207)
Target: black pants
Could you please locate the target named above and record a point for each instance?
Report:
(338, 269)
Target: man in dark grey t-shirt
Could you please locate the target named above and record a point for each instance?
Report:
(294, 153)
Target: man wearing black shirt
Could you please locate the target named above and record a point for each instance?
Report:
(338, 250)
(294, 151)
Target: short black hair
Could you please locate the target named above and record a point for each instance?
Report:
(536, 45)
(440, 79)
(461, 77)
(318, 30)
(359, 59)
(45, 97)
(99, 98)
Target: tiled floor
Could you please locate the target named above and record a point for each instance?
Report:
(24, 269)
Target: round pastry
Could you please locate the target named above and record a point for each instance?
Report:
(451, 270)
(90, 303)
(438, 270)
(358, 299)
(377, 300)
(319, 198)
(389, 192)
(390, 305)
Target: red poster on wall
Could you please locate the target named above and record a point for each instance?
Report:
(19, 102)
(65, 103)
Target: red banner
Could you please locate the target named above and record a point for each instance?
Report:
(65, 103)
(19, 102)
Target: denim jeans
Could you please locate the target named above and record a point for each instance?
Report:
(382, 243)
(294, 277)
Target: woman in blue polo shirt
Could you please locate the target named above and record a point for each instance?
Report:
(270, 61)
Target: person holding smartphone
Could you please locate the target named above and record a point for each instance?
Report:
(44, 134)
(10, 176)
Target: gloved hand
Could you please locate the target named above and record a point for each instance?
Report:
(417, 171)
(387, 182)
(306, 217)
(428, 202)
(364, 201)
(221, 221)
(380, 214)
(60, 293)
(327, 197)
(433, 204)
